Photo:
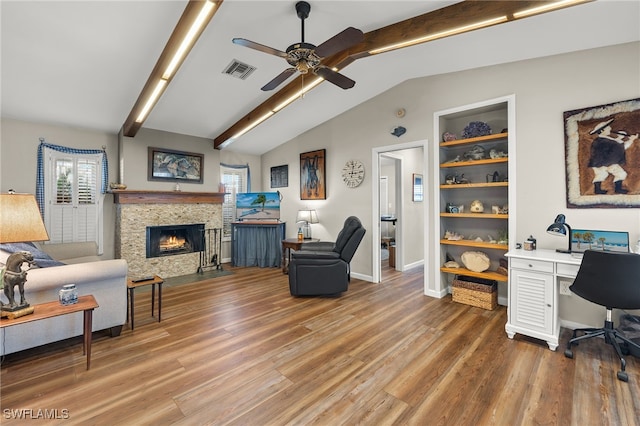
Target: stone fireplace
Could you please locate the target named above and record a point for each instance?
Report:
(137, 211)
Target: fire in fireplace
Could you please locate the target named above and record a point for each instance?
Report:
(170, 240)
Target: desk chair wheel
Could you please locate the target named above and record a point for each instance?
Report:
(623, 376)
(568, 353)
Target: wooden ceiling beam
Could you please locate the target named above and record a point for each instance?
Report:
(438, 21)
(189, 16)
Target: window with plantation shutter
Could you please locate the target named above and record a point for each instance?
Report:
(72, 194)
(235, 180)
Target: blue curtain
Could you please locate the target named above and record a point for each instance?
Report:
(40, 170)
(236, 166)
(258, 245)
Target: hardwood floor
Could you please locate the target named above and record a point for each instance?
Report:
(240, 350)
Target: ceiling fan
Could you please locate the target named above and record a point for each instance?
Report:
(306, 57)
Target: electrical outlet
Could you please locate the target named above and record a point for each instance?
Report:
(564, 288)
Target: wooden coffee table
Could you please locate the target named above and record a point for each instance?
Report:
(53, 309)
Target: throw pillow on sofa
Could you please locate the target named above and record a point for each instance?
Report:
(42, 259)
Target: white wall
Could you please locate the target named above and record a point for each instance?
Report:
(544, 89)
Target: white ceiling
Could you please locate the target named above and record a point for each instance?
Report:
(84, 63)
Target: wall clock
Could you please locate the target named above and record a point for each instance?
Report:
(353, 173)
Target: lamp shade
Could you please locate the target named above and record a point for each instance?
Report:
(560, 228)
(309, 216)
(20, 219)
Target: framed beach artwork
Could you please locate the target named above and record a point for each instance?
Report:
(602, 153)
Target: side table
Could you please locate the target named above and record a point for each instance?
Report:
(133, 284)
(53, 309)
(289, 244)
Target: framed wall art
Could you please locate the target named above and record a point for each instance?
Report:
(175, 166)
(602, 153)
(280, 176)
(312, 175)
(418, 187)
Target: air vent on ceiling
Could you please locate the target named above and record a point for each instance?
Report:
(239, 70)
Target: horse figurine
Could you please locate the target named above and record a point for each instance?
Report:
(15, 276)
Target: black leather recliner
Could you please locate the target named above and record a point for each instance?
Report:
(322, 268)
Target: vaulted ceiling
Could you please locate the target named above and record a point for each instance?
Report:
(83, 64)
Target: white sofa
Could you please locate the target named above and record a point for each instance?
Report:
(106, 280)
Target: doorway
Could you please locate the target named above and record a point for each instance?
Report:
(398, 163)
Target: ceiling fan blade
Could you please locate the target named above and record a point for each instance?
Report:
(261, 47)
(343, 40)
(335, 77)
(278, 80)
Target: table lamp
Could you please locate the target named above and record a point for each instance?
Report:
(20, 221)
(307, 216)
(560, 228)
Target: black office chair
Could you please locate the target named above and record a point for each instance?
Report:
(611, 280)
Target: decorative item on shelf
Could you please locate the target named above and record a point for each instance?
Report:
(477, 152)
(475, 261)
(476, 207)
(398, 131)
(114, 185)
(476, 129)
(177, 187)
(306, 217)
(496, 177)
(530, 243)
(68, 294)
(503, 269)
(491, 239)
(494, 153)
(503, 236)
(560, 228)
(453, 236)
(448, 137)
(451, 264)
(455, 179)
(222, 188)
(500, 210)
(455, 159)
(20, 221)
(454, 209)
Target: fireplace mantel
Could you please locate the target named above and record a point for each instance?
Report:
(127, 196)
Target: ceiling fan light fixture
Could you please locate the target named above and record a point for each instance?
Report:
(441, 34)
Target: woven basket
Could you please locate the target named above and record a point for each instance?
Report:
(482, 294)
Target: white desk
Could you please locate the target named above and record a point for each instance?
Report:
(533, 292)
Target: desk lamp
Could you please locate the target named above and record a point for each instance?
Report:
(560, 228)
(307, 216)
(20, 221)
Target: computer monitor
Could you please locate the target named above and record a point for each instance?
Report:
(589, 239)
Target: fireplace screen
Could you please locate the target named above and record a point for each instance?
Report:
(171, 240)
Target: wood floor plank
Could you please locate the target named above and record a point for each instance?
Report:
(239, 349)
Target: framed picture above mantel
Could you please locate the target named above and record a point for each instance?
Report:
(175, 166)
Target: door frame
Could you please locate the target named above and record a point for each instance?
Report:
(400, 229)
